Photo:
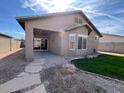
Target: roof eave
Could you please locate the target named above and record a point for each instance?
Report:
(90, 23)
(21, 22)
(5, 35)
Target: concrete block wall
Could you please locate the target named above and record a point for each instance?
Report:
(8, 44)
(4, 44)
(117, 47)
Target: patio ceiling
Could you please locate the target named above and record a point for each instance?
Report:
(42, 32)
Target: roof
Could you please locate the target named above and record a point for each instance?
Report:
(4, 35)
(80, 25)
(77, 26)
(112, 35)
(22, 19)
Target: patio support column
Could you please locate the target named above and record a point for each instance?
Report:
(62, 34)
(29, 43)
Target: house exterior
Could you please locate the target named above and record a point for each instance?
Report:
(8, 43)
(111, 43)
(63, 33)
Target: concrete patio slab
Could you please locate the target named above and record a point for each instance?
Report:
(49, 59)
(22, 74)
(39, 89)
(36, 63)
(33, 69)
(31, 76)
(20, 83)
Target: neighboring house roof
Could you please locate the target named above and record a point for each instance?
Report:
(22, 19)
(112, 35)
(4, 35)
(20, 39)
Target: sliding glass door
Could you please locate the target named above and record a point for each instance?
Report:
(41, 44)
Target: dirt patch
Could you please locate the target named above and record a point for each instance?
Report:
(12, 65)
(58, 82)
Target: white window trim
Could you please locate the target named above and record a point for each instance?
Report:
(83, 36)
(74, 41)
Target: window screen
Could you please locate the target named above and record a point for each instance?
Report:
(80, 21)
(80, 42)
(84, 43)
(76, 20)
(72, 39)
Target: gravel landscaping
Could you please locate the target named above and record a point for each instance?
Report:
(39, 76)
(11, 66)
(56, 81)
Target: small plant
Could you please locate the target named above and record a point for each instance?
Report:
(100, 90)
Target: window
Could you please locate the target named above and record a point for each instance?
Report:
(72, 41)
(81, 42)
(76, 20)
(80, 21)
(96, 37)
(84, 43)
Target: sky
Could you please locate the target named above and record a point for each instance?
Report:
(106, 15)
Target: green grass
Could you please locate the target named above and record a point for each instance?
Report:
(108, 65)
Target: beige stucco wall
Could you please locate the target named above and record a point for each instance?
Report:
(58, 42)
(28, 42)
(58, 23)
(8, 44)
(15, 44)
(65, 45)
(5, 44)
(91, 42)
(55, 43)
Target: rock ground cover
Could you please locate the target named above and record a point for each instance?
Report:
(59, 82)
(53, 78)
(11, 66)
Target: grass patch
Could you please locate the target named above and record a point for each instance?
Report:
(108, 65)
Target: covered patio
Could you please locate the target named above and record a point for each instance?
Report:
(40, 40)
(50, 59)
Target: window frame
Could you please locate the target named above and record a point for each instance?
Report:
(86, 43)
(96, 37)
(83, 37)
(80, 21)
(72, 35)
(76, 20)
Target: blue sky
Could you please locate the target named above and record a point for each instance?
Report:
(106, 15)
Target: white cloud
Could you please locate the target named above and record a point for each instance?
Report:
(91, 7)
(109, 26)
(104, 14)
(119, 11)
(49, 5)
(115, 29)
(62, 5)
